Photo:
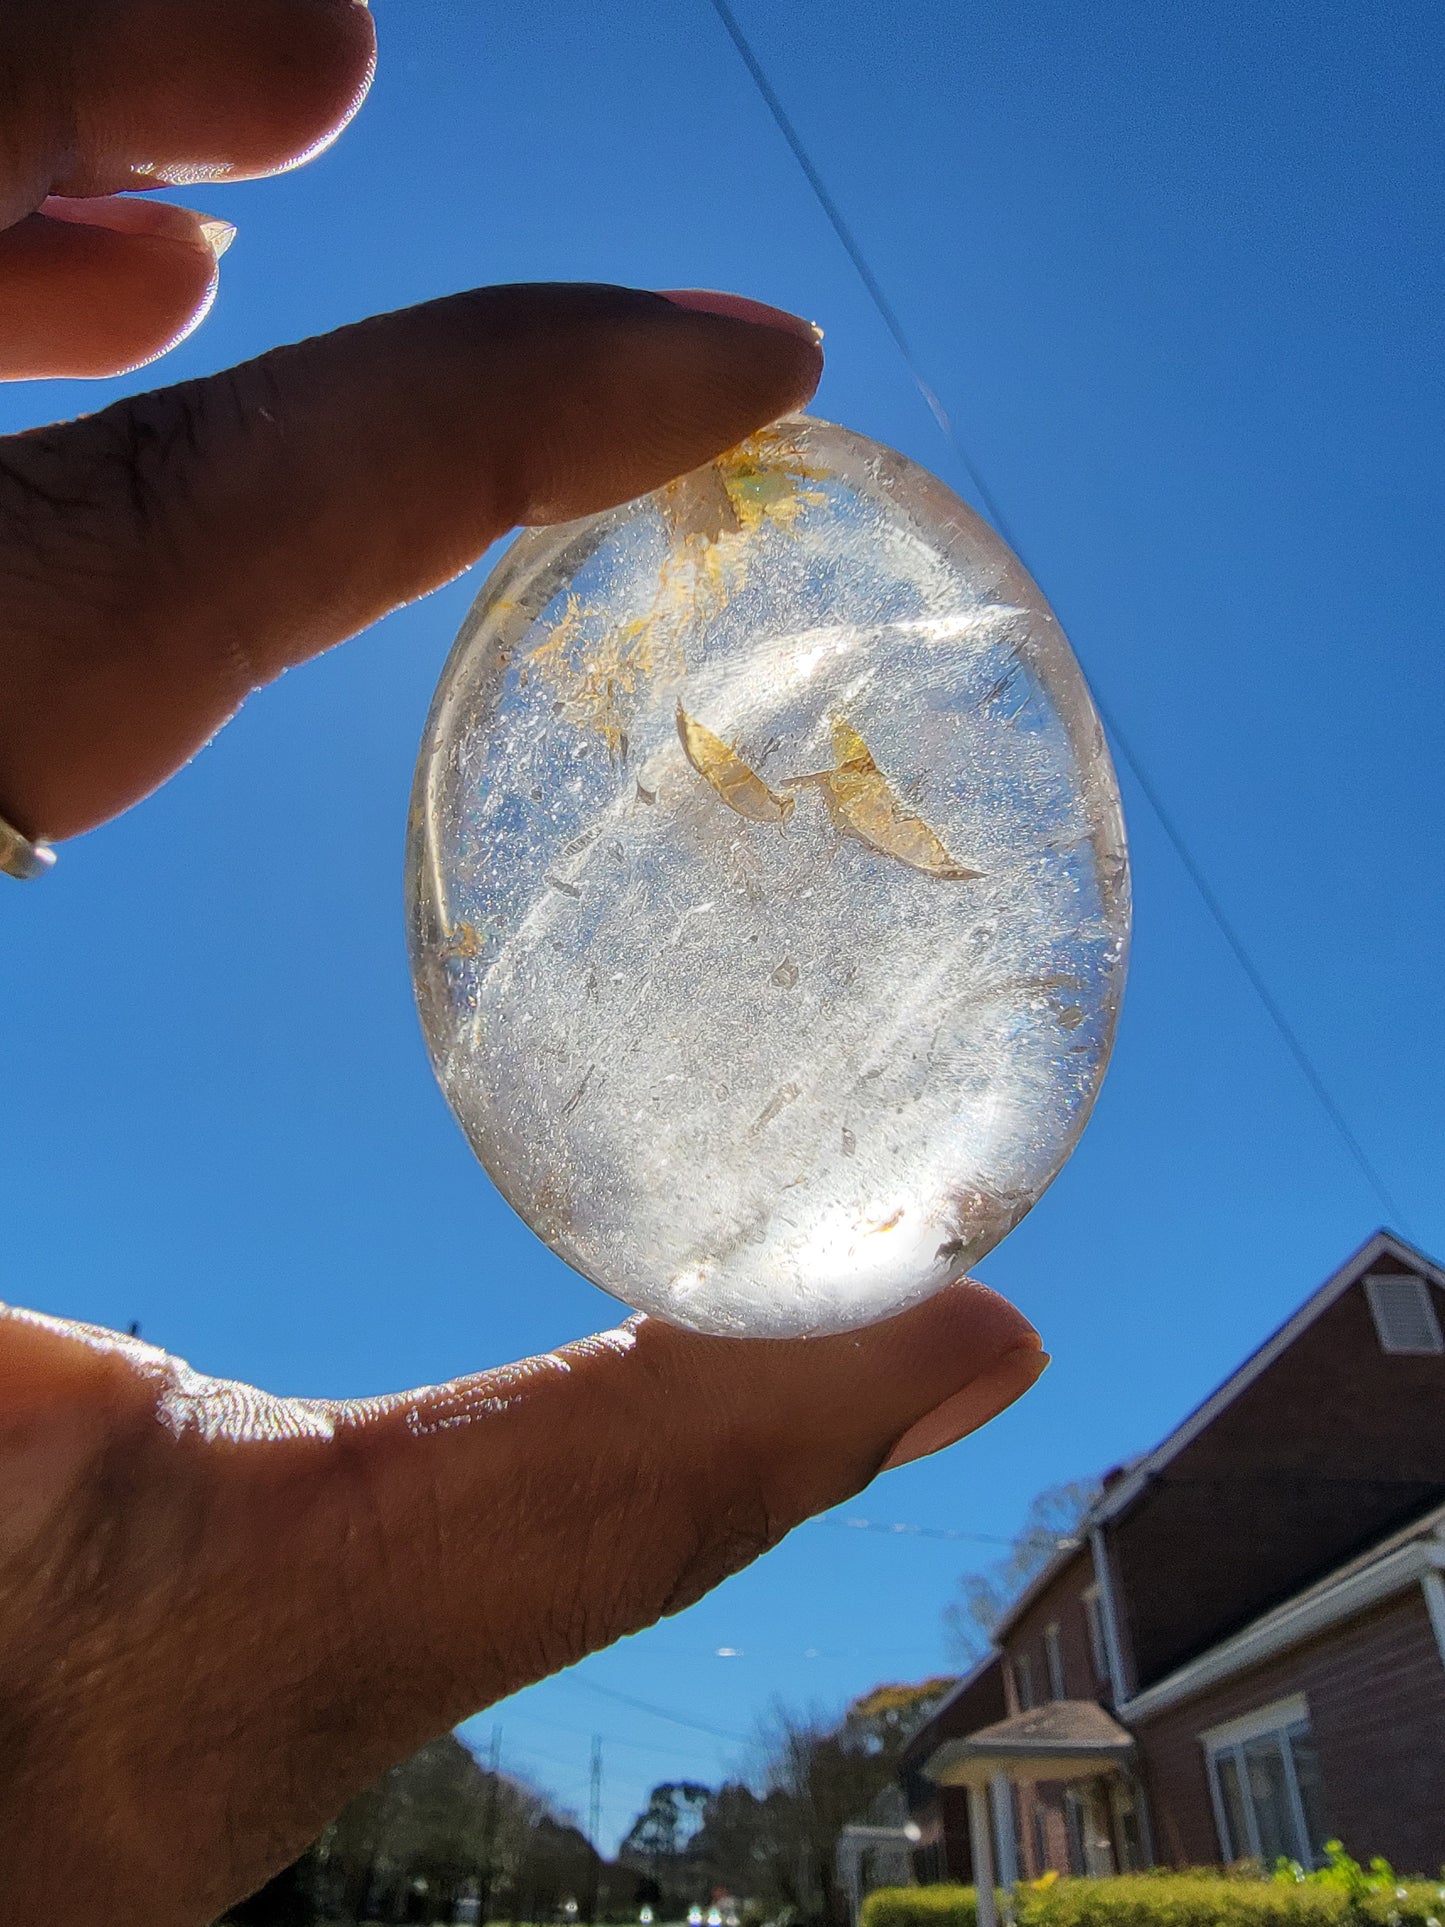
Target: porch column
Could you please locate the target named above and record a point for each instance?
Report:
(1003, 1832)
(980, 1834)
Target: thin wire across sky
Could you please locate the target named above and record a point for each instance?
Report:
(1128, 755)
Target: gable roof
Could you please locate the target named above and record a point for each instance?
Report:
(1384, 1244)
(1122, 1491)
(1062, 1739)
(1075, 1547)
(1081, 1724)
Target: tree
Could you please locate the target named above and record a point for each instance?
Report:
(433, 1829)
(558, 1863)
(732, 1849)
(424, 1821)
(775, 1844)
(673, 1814)
(884, 1719)
(1050, 1524)
(290, 1899)
(658, 1846)
(827, 1776)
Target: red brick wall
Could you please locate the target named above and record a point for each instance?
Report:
(1330, 1448)
(1376, 1693)
(1061, 1603)
(941, 1813)
(1046, 1798)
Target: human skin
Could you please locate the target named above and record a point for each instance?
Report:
(204, 1645)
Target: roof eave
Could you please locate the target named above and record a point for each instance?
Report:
(963, 1763)
(1044, 1578)
(1286, 1626)
(971, 1678)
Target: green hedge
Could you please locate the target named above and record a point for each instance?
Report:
(1202, 1899)
(920, 1907)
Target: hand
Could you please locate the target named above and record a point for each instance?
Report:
(221, 1614)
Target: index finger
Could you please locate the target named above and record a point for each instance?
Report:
(164, 557)
(143, 93)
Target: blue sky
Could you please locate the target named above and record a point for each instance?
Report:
(1176, 272)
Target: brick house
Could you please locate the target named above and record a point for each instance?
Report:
(1243, 1652)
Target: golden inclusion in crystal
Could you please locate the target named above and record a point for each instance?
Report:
(768, 896)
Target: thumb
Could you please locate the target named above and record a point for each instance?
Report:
(621, 1478)
(221, 1614)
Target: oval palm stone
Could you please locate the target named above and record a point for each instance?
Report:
(768, 897)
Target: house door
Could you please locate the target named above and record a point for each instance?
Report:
(1128, 1836)
(1099, 1855)
(1091, 1849)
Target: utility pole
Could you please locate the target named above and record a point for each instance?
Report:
(594, 1822)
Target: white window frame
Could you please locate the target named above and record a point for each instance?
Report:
(1054, 1660)
(1274, 1721)
(1098, 1638)
(1023, 1671)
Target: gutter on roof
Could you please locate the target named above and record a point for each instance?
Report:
(1043, 1578)
(1289, 1625)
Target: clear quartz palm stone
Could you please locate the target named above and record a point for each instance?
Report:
(768, 896)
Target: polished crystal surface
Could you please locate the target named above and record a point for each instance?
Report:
(768, 897)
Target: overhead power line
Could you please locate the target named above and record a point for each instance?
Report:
(902, 1530)
(886, 310)
(662, 1712)
(888, 314)
(610, 1739)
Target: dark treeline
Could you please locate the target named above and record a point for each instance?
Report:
(438, 1838)
(442, 1839)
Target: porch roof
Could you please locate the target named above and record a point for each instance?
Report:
(1063, 1740)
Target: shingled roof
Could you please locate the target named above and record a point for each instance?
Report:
(1062, 1740)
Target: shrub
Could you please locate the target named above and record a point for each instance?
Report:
(1182, 1900)
(1341, 1894)
(1377, 1896)
(921, 1907)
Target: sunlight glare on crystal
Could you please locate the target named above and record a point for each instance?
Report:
(768, 895)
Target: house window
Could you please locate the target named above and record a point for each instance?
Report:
(1403, 1308)
(1054, 1656)
(1264, 1774)
(1024, 1681)
(1094, 1620)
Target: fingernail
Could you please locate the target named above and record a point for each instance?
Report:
(218, 235)
(737, 307)
(126, 214)
(998, 1388)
